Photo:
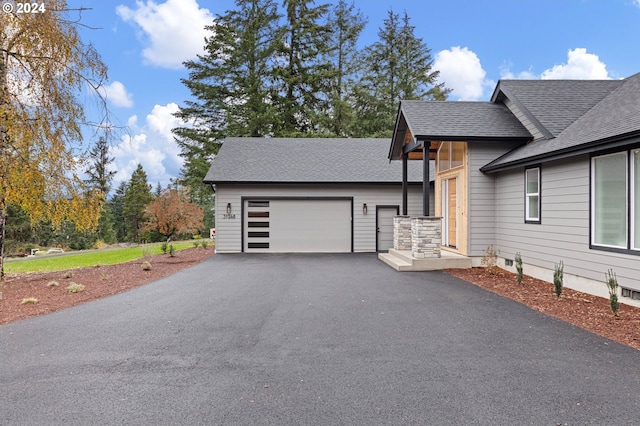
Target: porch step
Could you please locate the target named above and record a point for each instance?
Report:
(401, 260)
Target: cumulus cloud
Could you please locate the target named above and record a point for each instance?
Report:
(580, 66)
(117, 94)
(461, 71)
(173, 31)
(151, 145)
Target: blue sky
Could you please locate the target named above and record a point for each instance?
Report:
(474, 43)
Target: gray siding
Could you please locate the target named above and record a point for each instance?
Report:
(364, 226)
(482, 195)
(537, 134)
(564, 231)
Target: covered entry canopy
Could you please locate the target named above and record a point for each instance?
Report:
(422, 125)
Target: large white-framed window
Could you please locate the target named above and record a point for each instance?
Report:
(635, 199)
(532, 195)
(609, 200)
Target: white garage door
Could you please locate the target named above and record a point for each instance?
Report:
(295, 225)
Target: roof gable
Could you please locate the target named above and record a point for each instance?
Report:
(455, 121)
(552, 105)
(615, 118)
(307, 160)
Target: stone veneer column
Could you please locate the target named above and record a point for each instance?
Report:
(402, 232)
(425, 237)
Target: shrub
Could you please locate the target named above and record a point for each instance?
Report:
(146, 266)
(204, 244)
(612, 283)
(27, 300)
(172, 250)
(68, 274)
(75, 287)
(490, 259)
(558, 277)
(518, 260)
(53, 284)
(146, 250)
(196, 243)
(163, 247)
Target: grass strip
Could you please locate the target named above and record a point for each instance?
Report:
(82, 259)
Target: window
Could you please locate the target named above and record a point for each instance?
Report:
(532, 195)
(450, 155)
(609, 200)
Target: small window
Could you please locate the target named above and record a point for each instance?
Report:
(532, 195)
(258, 204)
(450, 155)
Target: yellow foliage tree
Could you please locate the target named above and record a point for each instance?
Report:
(44, 65)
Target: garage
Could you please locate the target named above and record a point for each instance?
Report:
(280, 225)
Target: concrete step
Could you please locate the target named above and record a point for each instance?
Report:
(401, 260)
(395, 262)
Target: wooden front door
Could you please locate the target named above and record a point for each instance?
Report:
(449, 212)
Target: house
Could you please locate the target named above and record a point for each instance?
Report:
(310, 195)
(549, 169)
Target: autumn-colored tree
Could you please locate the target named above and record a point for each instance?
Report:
(43, 66)
(172, 213)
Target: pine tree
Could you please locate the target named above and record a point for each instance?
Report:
(346, 24)
(398, 66)
(303, 74)
(116, 207)
(100, 177)
(136, 198)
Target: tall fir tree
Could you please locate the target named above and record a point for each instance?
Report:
(100, 176)
(116, 207)
(232, 87)
(303, 74)
(347, 24)
(398, 66)
(136, 199)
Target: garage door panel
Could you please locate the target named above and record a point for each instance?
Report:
(310, 225)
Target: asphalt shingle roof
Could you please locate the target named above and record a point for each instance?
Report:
(435, 120)
(616, 116)
(556, 103)
(314, 160)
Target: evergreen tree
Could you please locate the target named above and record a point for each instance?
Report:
(100, 177)
(116, 208)
(136, 198)
(303, 75)
(346, 23)
(398, 66)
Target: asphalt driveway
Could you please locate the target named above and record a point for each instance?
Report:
(316, 340)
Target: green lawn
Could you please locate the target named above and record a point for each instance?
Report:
(92, 258)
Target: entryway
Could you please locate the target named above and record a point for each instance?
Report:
(384, 226)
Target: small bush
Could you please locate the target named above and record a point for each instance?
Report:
(53, 284)
(204, 244)
(146, 266)
(146, 250)
(196, 243)
(75, 287)
(172, 250)
(163, 247)
(612, 283)
(490, 259)
(518, 260)
(28, 300)
(68, 274)
(558, 278)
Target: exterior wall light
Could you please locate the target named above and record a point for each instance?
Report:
(364, 208)
(228, 208)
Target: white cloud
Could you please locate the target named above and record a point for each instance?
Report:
(174, 30)
(117, 94)
(151, 145)
(461, 71)
(636, 2)
(580, 66)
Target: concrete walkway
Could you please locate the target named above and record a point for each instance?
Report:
(311, 340)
